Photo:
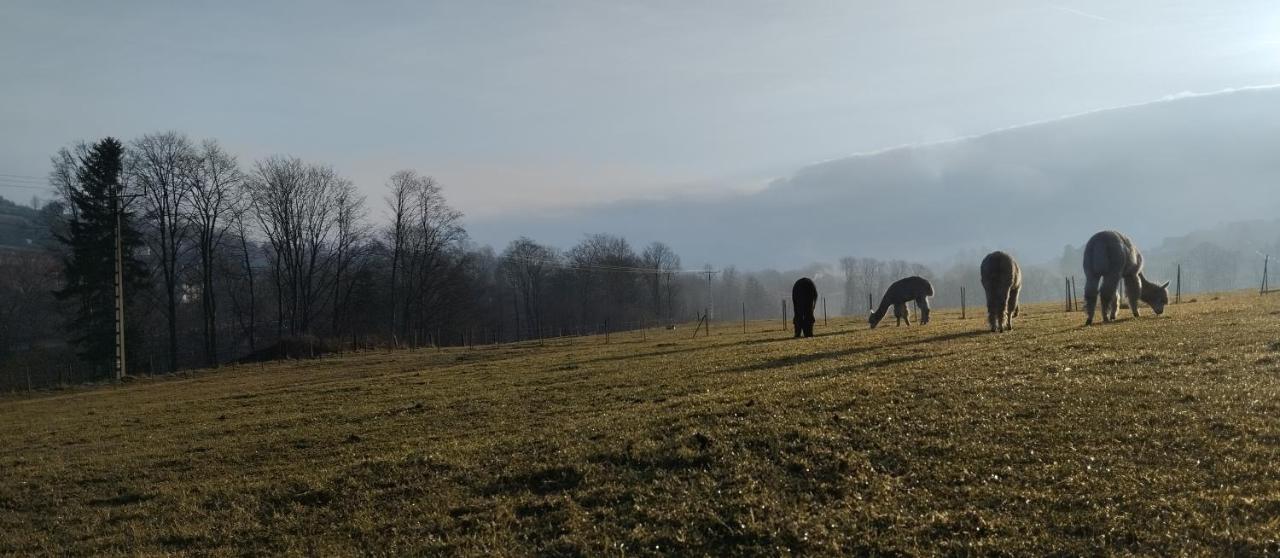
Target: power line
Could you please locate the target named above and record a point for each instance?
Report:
(602, 267)
(23, 177)
(4, 184)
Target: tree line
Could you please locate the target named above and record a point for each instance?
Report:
(225, 261)
(231, 261)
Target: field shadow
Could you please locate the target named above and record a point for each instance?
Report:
(542, 482)
(800, 359)
(630, 356)
(811, 357)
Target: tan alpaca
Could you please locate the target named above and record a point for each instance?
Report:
(1001, 279)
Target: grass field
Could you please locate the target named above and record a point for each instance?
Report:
(1158, 435)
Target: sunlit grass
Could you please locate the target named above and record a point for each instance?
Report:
(1156, 435)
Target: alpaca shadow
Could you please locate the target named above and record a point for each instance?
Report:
(800, 359)
(811, 357)
(693, 349)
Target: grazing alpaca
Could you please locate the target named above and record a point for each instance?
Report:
(1110, 257)
(804, 298)
(1001, 279)
(898, 295)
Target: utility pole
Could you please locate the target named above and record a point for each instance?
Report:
(117, 209)
(710, 301)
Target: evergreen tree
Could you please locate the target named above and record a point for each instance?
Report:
(89, 258)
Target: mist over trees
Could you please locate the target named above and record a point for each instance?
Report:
(230, 261)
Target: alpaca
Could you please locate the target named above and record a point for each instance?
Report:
(804, 298)
(898, 295)
(1001, 279)
(1109, 258)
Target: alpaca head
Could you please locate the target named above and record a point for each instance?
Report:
(874, 319)
(1156, 296)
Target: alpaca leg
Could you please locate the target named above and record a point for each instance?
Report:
(906, 314)
(923, 303)
(1003, 313)
(992, 308)
(1090, 297)
(1132, 288)
(1012, 307)
(1110, 292)
(799, 329)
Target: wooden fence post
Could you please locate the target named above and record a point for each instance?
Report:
(962, 303)
(784, 314)
(1266, 260)
(1066, 292)
(824, 312)
(1075, 298)
(1177, 296)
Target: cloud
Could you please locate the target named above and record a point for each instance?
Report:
(1081, 13)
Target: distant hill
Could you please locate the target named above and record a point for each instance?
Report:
(24, 227)
(1152, 170)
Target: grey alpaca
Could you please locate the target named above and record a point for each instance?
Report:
(1110, 257)
(898, 295)
(1001, 279)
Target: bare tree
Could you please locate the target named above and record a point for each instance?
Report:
(849, 266)
(605, 268)
(404, 186)
(431, 261)
(214, 188)
(350, 230)
(63, 176)
(663, 262)
(527, 267)
(162, 166)
(296, 208)
(244, 301)
(870, 272)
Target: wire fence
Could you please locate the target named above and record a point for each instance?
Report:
(56, 365)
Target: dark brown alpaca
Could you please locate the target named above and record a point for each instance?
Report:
(804, 298)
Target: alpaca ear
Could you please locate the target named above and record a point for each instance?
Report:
(1165, 285)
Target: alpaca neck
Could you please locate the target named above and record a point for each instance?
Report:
(884, 307)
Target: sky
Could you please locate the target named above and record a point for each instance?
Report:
(523, 108)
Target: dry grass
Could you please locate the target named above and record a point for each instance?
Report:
(1157, 435)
